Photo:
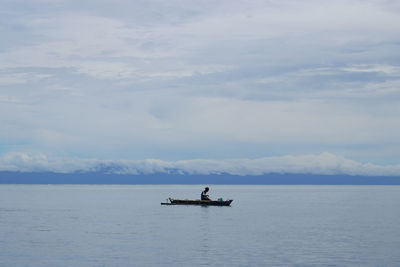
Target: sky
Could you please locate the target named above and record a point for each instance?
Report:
(310, 86)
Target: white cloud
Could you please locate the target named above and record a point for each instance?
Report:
(173, 79)
(11, 78)
(385, 69)
(325, 163)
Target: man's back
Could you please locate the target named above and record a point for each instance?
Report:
(204, 195)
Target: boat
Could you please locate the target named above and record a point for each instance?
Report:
(198, 202)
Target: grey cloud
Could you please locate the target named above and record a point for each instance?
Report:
(194, 78)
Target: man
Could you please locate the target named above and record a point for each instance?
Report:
(204, 195)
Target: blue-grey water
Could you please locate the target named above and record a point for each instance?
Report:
(119, 225)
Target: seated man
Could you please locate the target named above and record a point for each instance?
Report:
(204, 195)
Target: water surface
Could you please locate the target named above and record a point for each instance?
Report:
(115, 225)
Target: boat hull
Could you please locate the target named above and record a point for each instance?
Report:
(198, 202)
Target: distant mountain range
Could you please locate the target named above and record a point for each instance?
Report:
(10, 177)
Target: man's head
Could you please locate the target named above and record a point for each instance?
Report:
(206, 189)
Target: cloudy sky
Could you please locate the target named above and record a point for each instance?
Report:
(214, 80)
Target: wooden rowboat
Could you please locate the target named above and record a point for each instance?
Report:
(198, 202)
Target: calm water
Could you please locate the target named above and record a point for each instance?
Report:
(96, 225)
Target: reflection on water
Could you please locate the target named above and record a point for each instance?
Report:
(205, 231)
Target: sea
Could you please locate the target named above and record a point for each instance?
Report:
(125, 225)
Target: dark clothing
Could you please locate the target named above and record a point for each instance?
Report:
(204, 195)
